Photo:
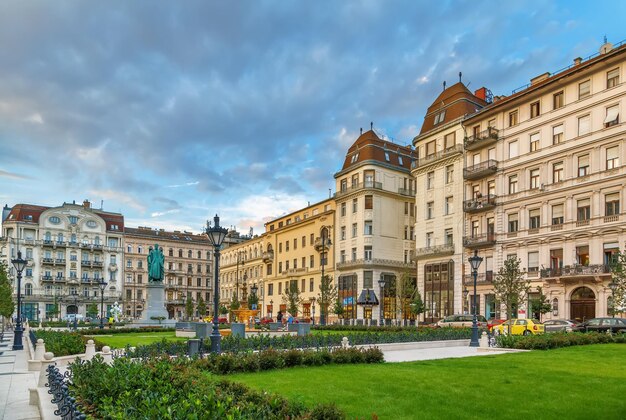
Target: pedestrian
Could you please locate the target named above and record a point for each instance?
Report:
(289, 318)
(279, 316)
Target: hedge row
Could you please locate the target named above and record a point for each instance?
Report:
(378, 328)
(226, 363)
(176, 389)
(63, 343)
(556, 340)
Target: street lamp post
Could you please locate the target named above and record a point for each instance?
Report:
(19, 263)
(216, 236)
(271, 307)
(102, 285)
(254, 289)
(475, 263)
(325, 241)
(313, 309)
(613, 286)
(75, 297)
(465, 293)
(381, 283)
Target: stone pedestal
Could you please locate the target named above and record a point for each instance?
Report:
(155, 307)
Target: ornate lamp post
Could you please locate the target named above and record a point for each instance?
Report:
(216, 236)
(313, 309)
(475, 263)
(20, 264)
(271, 307)
(325, 241)
(253, 290)
(613, 287)
(102, 285)
(75, 297)
(465, 293)
(381, 283)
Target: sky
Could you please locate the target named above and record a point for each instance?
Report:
(170, 112)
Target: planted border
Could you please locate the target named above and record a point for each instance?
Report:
(556, 340)
(63, 343)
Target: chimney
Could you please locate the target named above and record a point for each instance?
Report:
(86, 204)
(539, 78)
(577, 61)
(481, 93)
(606, 47)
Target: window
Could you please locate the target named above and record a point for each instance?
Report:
(449, 237)
(449, 205)
(369, 202)
(343, 209)
(303, 242)
(584, 89)
(406, 208)
(344, 185)
(355, 157)
(287, 246)
(429, 239)
(354, 205)
(534, 109)
(612, 157)
(368, 279)
(280, 247)
(431, 148)
(612, 78)
(557, 100)
(611, 204)
(583, 209)
(513, 149)
(387, 156)
(430, 180)
(612, 116)
(557, 172)
(449, 173)
(342, 256)
(512, 118)
(400, 160)
(311, 283)
(584, 125)
(430, 208)
(440, 117)
(534, 178)
(557, 134)
(534, 142)
(557, 214)
(355, 180)
(342, 233)
(368, 229)
(534, 219)
(513, 222)
(353, 254)
(295, 243)
(354, 230)
(583, 165)
(512, 184)
(449, 140)
(367, 252)
(491, 187)
(369, 179)
(533, 262)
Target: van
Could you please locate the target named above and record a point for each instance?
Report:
(459, 321)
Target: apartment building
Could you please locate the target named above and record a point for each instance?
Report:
(438, 172)
(375, 222)
(544, 177)
(295, 256)
(70, 249)
(188, 269)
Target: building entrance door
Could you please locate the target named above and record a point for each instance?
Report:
(583, 304)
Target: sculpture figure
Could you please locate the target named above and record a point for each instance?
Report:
(156, 262)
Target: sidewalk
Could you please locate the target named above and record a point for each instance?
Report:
(411, 355)
(15, 380)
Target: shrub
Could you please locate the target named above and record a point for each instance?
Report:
(270, 359)
(555, 340)
(292, 358)
(327, 412)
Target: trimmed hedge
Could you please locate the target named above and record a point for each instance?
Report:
(226, 363)
(376, 328)
(176, 389)
(63, 343)
(556, 340)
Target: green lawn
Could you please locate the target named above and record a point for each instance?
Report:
(134, 339)
(584, 382)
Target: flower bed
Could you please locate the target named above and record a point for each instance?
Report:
(556, 340)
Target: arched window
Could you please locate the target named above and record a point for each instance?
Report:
(96, 240)
(48, 237)
(200, 254)
(189, 254)
(60, 238)
(555, 307)
(180, 253)
(171, 252)
(73, 240)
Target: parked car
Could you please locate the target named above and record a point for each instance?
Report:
(616, 325)
(560, 325)
(459, 321)
(494, 322)
(265, 320)
(520, 326)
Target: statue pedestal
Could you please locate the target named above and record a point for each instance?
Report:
(155, 307)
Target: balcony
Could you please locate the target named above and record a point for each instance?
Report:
(59, 261)
(268, 257)
(73, 244)
(481, 170)
(576, 270)
(47, 260)
(59, 244)
(484, 278)
(480, 204)
(433, 251)
(318, 245)
(479, 241)
(457, 149)
(482, 139)
(408, 193)
(361, 262)
(360, 186)
(53, 279)
(97, 264)
(47, 242)
(85, 263)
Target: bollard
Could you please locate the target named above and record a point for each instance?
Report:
(40, 349)
(90, 350)
(484, 341)
(107, 355)
(193, 346)
(45, 365)
(345, 343)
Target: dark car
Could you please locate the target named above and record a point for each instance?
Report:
(615, 325)
(561, 325)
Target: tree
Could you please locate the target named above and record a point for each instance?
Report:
(618, 284)
(338, 307)
(327, 295)
(189, 308)
(510, 287)
(201, 307)
(417, 306)
(92, 310)
(405, 291)
(540, 304)
(223, 310)
(253, 300)
(292, 298)
(7, 306)
(234, 304)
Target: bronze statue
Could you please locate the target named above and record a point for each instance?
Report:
(156, 262)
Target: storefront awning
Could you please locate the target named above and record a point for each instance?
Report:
(367, 297)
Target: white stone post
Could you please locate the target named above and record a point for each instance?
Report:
(90, 350)
(107, 355)
(345, 343)
(484, 341)
(40, 349)
(43, 374)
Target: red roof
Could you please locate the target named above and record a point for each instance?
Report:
(30, 213)
(371, 147)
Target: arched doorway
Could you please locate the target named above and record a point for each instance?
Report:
(583, 304)
(72, 309)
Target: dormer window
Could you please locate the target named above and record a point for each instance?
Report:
(400, 160)
(440, 117)
(387, 156)
(355, 157)
(73, 219)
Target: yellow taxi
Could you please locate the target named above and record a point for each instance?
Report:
(519, 326)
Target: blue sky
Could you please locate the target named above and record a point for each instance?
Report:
(170, 112)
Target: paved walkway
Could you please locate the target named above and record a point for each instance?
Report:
(15, 380)
(410, 355)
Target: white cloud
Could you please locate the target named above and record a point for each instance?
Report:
(163, 213)
(119, 197)
(186, 184)
(35, 118)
